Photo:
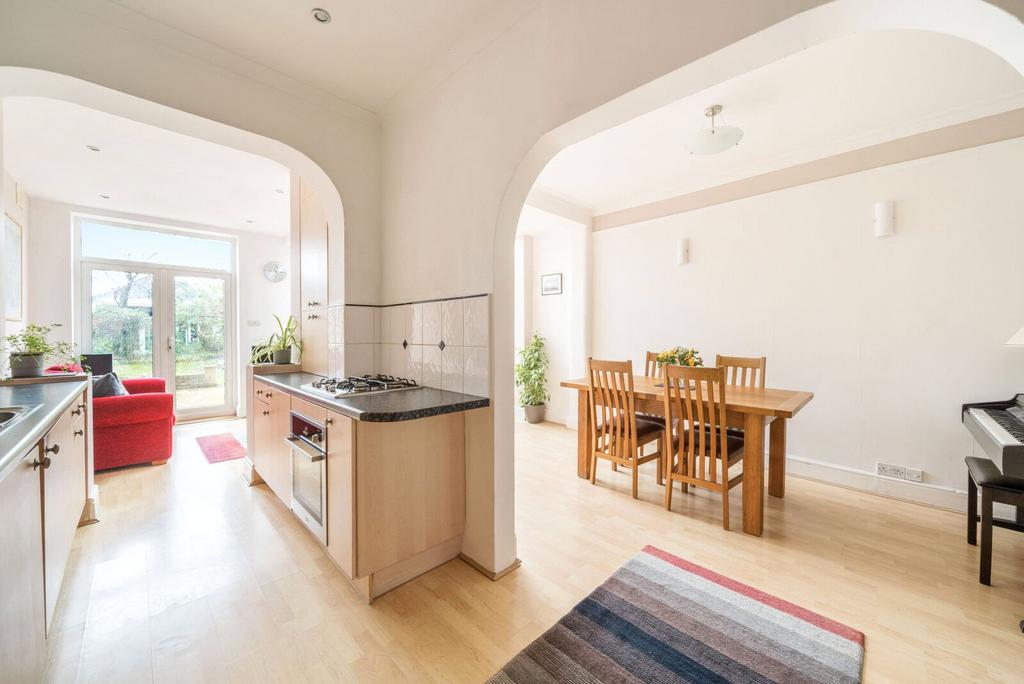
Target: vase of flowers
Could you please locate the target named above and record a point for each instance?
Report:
(29, 349)
(680, 356)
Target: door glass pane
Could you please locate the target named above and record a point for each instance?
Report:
(199, 342)
(122, 320)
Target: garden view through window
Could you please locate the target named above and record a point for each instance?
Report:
(159, 303)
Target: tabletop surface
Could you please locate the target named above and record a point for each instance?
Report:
(781, 403)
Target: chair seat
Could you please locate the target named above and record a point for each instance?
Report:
(986, 474)
(733, 444)
(644, 428)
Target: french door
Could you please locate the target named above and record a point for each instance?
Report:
(171, 323)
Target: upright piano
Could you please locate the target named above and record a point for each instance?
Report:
(998, 427)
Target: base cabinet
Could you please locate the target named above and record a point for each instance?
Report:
(22, 608)
(341, 491)
(64, 494)
(272, 457)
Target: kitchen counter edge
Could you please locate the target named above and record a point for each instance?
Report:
(52, 398)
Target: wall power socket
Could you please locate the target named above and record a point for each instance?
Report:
(899, 472)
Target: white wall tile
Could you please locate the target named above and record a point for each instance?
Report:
(336, 360)
(431, 366)
(359, 359)
(392, 360)
(452, 322)
(431, 333)
(359, 324)
(335, 324)
(475, 369)
(377, 316)
(414, 324)
(384, 336)
(413, 362)
(477, 322)
(452, 369)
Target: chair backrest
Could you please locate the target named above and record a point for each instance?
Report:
(612, 414)
(99, 364)
(695, 402)
(742, 371)
(651, 365)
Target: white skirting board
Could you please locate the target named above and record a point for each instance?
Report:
(947, 498)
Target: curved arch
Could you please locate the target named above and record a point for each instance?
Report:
(977, 21)
(21, 81)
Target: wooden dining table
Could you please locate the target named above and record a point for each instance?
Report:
(750, 408)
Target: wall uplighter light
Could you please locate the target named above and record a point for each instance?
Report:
(885, 218)
(682, 251)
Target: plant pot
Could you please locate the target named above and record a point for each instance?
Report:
(26, 365)
(283, 355)
(534, 414)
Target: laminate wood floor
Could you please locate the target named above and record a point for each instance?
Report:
(192, 576)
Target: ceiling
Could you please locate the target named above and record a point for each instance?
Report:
(365, 55)
(143, 169)
(842, 95)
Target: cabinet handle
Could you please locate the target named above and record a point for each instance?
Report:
(82, 406)
(77, 412)
(259, 391)
(269, 394)
(266, 413)
(329, 421)
(79, 433)
(45, 463)
(55, 449)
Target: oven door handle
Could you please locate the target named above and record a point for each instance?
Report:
(298, 445)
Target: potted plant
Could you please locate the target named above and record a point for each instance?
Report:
(29, 349)
(531, 379)
(279, 345)
(680, 356)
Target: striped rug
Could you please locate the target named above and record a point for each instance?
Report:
(660, 618)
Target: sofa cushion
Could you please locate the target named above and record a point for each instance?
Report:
(107, 385)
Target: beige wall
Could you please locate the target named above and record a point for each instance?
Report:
(20, 214)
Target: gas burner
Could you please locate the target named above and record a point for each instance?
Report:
(360, 384)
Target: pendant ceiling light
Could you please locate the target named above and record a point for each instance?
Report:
(715, 139)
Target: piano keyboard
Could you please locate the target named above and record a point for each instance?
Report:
(1006, 420)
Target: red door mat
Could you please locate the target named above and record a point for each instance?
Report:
(222, 447)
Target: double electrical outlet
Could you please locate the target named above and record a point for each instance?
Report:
(898, 472)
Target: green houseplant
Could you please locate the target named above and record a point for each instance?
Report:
(278, 347)
(531, 379)
(29, 349)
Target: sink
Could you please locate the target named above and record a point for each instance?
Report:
(10, 415)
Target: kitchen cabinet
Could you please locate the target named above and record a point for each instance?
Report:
(22, 615)
(314, 342)
(313, 282)
(64, 493)
(271, 455)
(341, 491)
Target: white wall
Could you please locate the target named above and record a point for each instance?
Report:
(553, 315)
(20, 214)
(51, 271)
(892, 335)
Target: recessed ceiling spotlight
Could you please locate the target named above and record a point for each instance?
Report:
(92, 148)
(104, 196)
(248, 220)
(279, 191)
(321, 15)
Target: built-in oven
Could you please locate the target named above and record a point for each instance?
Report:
(308, 442)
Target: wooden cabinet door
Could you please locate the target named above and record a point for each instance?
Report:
(312, 251)
(341, 491)
(314, 342)
(22, 606)
(271, 425)
(64, 490)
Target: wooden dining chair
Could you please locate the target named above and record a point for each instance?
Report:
(615, 432)
(702, 452)
(742, 371)
(651, 365)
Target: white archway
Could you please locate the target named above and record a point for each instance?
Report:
(20, 81)
(977, 21)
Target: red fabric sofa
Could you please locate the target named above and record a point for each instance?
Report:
(133, 428)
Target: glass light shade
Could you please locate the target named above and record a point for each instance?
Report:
(713, 140)
(1017, 340)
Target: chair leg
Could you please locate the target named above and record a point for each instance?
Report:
(661, 462)
(972, 511)
(668, 485)
(725, 505)
(615, 467)
(636, 474)
(986, 536)
(593, 467)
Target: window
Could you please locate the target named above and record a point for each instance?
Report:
(110, 241)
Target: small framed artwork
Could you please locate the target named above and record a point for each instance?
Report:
(551, 284)
(13, 260)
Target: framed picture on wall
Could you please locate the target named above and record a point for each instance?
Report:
(551, 284)
(13, 272)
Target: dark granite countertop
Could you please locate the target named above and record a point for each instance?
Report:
(385, 407)
(46, 401)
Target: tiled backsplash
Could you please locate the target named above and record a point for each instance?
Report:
(442, 344)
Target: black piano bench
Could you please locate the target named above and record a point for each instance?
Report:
(995, 488)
